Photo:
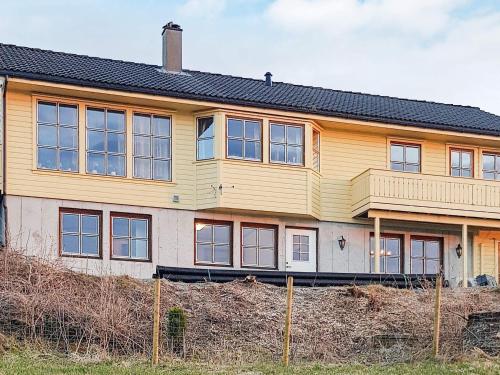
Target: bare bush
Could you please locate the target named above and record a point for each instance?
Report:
(42, 303)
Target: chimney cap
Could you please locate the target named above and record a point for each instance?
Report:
(172, 26)
(269, 81)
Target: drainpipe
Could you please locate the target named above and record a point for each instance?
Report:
(3, 124)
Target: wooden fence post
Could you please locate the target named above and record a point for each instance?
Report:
(288, 321)
(437, 317)
(156, 320)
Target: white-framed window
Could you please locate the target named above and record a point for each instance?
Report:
(152, 147)
(57, 136)
(205, 134)
(491, 166)
(106, 144)
(405, 157)
(461, 163)
(244, 139)
(286, 144)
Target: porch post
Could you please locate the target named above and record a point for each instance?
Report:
(376, 256)
(465, 254)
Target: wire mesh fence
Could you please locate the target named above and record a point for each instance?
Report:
(50, 307)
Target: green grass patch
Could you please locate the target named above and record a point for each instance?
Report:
(47, 364)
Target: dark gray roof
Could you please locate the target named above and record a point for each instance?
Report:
(37, 64)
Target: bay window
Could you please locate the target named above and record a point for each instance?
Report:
(244, 139)
(205, 134)
(286, 144)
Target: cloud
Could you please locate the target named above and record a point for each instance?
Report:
(202, 8)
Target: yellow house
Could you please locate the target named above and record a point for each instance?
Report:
(118, 167)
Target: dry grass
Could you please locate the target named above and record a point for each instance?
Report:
(238, 322)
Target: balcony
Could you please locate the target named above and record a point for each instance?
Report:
(421, 193)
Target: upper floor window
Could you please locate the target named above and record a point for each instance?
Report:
(105, 142)
(80, 232)
(152, 147)
(213, 242)
(205, 133)
(461, 163)
(130, 236)
(315, 149)
(491, 166)
(57, 136)
(244, 139)
(405, 157)
(287, 144)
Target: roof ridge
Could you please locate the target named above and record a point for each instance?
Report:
(245, 78)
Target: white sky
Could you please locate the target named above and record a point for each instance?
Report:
(441, 50)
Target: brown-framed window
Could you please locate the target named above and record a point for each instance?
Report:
(259, 245)
(130, 236)
(426, 255)
(57, 136)
(316, 150)
(80, 233)
(391, 253)
(406, 157)
(491, 166)
(461, 162)
(244, 139)
(106, 143)
(286, 144)
(213, 242)
(205, 135)
(152, 147)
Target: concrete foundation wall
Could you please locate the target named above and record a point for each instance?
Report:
(33, 226)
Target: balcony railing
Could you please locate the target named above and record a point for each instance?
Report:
(421, 193)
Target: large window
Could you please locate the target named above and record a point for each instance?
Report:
(461, 163)
(287, 144)
(57, 136)
(316, 150)
(491, 166)
(391, 253)
(213, 242)
(244, 139)
(152, 147)
(405, 157)
(130, 236)
(258, 245)
(105, 142)
(80, 232)
(205, 133)
(426, 255)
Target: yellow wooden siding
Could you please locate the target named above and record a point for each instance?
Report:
(315, 180)
(264, 187)
(206, 184)
(24, 180)
(485, 248)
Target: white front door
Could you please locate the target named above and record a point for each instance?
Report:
(300, 250)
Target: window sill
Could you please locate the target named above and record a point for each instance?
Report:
(81, 256)
(82, 175)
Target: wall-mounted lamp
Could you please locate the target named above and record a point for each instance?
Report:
(459, 250)
(342, 242)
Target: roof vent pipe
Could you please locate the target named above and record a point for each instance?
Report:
(172, 47)
(269, 80)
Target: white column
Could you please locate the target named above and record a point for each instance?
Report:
(465, 255)
(377, 246)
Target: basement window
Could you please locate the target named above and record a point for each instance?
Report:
(80, 232)
(131, 236)
(57, 136)
(213, 242)
(258, 245)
